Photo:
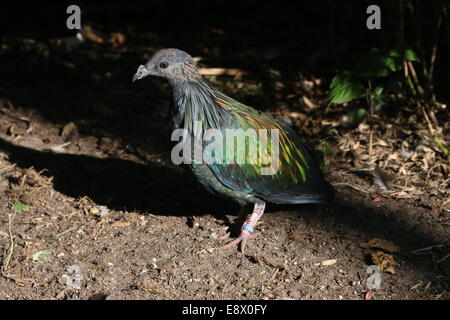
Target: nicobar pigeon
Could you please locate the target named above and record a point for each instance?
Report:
(298, 179)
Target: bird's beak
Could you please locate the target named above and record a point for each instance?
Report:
(142, 72)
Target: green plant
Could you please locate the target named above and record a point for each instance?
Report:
(19, 207)
(358, 83)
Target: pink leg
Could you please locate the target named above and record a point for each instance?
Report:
(248, 226)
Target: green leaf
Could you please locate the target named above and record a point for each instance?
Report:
(357, 116)
(410, 55)
(442, 147)
(397, 56)
(394, 60)
(377, 95)
(382, 63)
(327, 150)
(345, 88)
(43, 255)
(378, 91)
(375, 64)
(20, 207)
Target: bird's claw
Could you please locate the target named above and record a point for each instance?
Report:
(242, 240)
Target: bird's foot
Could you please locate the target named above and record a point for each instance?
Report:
(247, 227)
(242, 239)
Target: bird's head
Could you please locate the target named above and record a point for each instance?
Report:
(172, 64)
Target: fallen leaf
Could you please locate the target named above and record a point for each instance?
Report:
(416, 286)
(117, 38)
(327, 262)
(43, 255)
(384, 261)
(92, 34)
(59, 148)
(68, 129)
(380, 179)
(381, 142)
(380, 244)
(120, 224)
(311, 105)
(406, 153)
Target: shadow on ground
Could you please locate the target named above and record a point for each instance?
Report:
(91, 87)
(129, 186)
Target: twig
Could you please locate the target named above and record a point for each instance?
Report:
(415, 78)
(418, 251)
(274, 274)
(11, 217)
(370, 101)
(5, 169)
(22, 281)
(351, 186)
(430, 125)
(434, 50)
(63, 145)
(66, 231)
(444, 258)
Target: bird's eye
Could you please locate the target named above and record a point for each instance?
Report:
(163, 65)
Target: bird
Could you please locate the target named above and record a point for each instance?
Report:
(199, 106)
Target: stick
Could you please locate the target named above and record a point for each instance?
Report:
(11, 242)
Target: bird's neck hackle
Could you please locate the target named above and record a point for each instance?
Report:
(195, 101)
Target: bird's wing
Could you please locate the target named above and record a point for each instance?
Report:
(298, 178)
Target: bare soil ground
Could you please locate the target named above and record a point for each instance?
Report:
(110, 217)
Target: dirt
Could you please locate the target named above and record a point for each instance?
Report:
(108, 216)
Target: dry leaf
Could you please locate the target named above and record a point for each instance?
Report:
(298, 115)
(92, 34)
(381, 142)
(59, 148)
(327, 262)
(380, 244)
(309, 103)
(68, 129)
(120, 224)
(117, 38)
(446, 202)
(380, 179)
(384, 261)
(406, 153)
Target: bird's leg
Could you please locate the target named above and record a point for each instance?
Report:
(242, 215)
(248, 226)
